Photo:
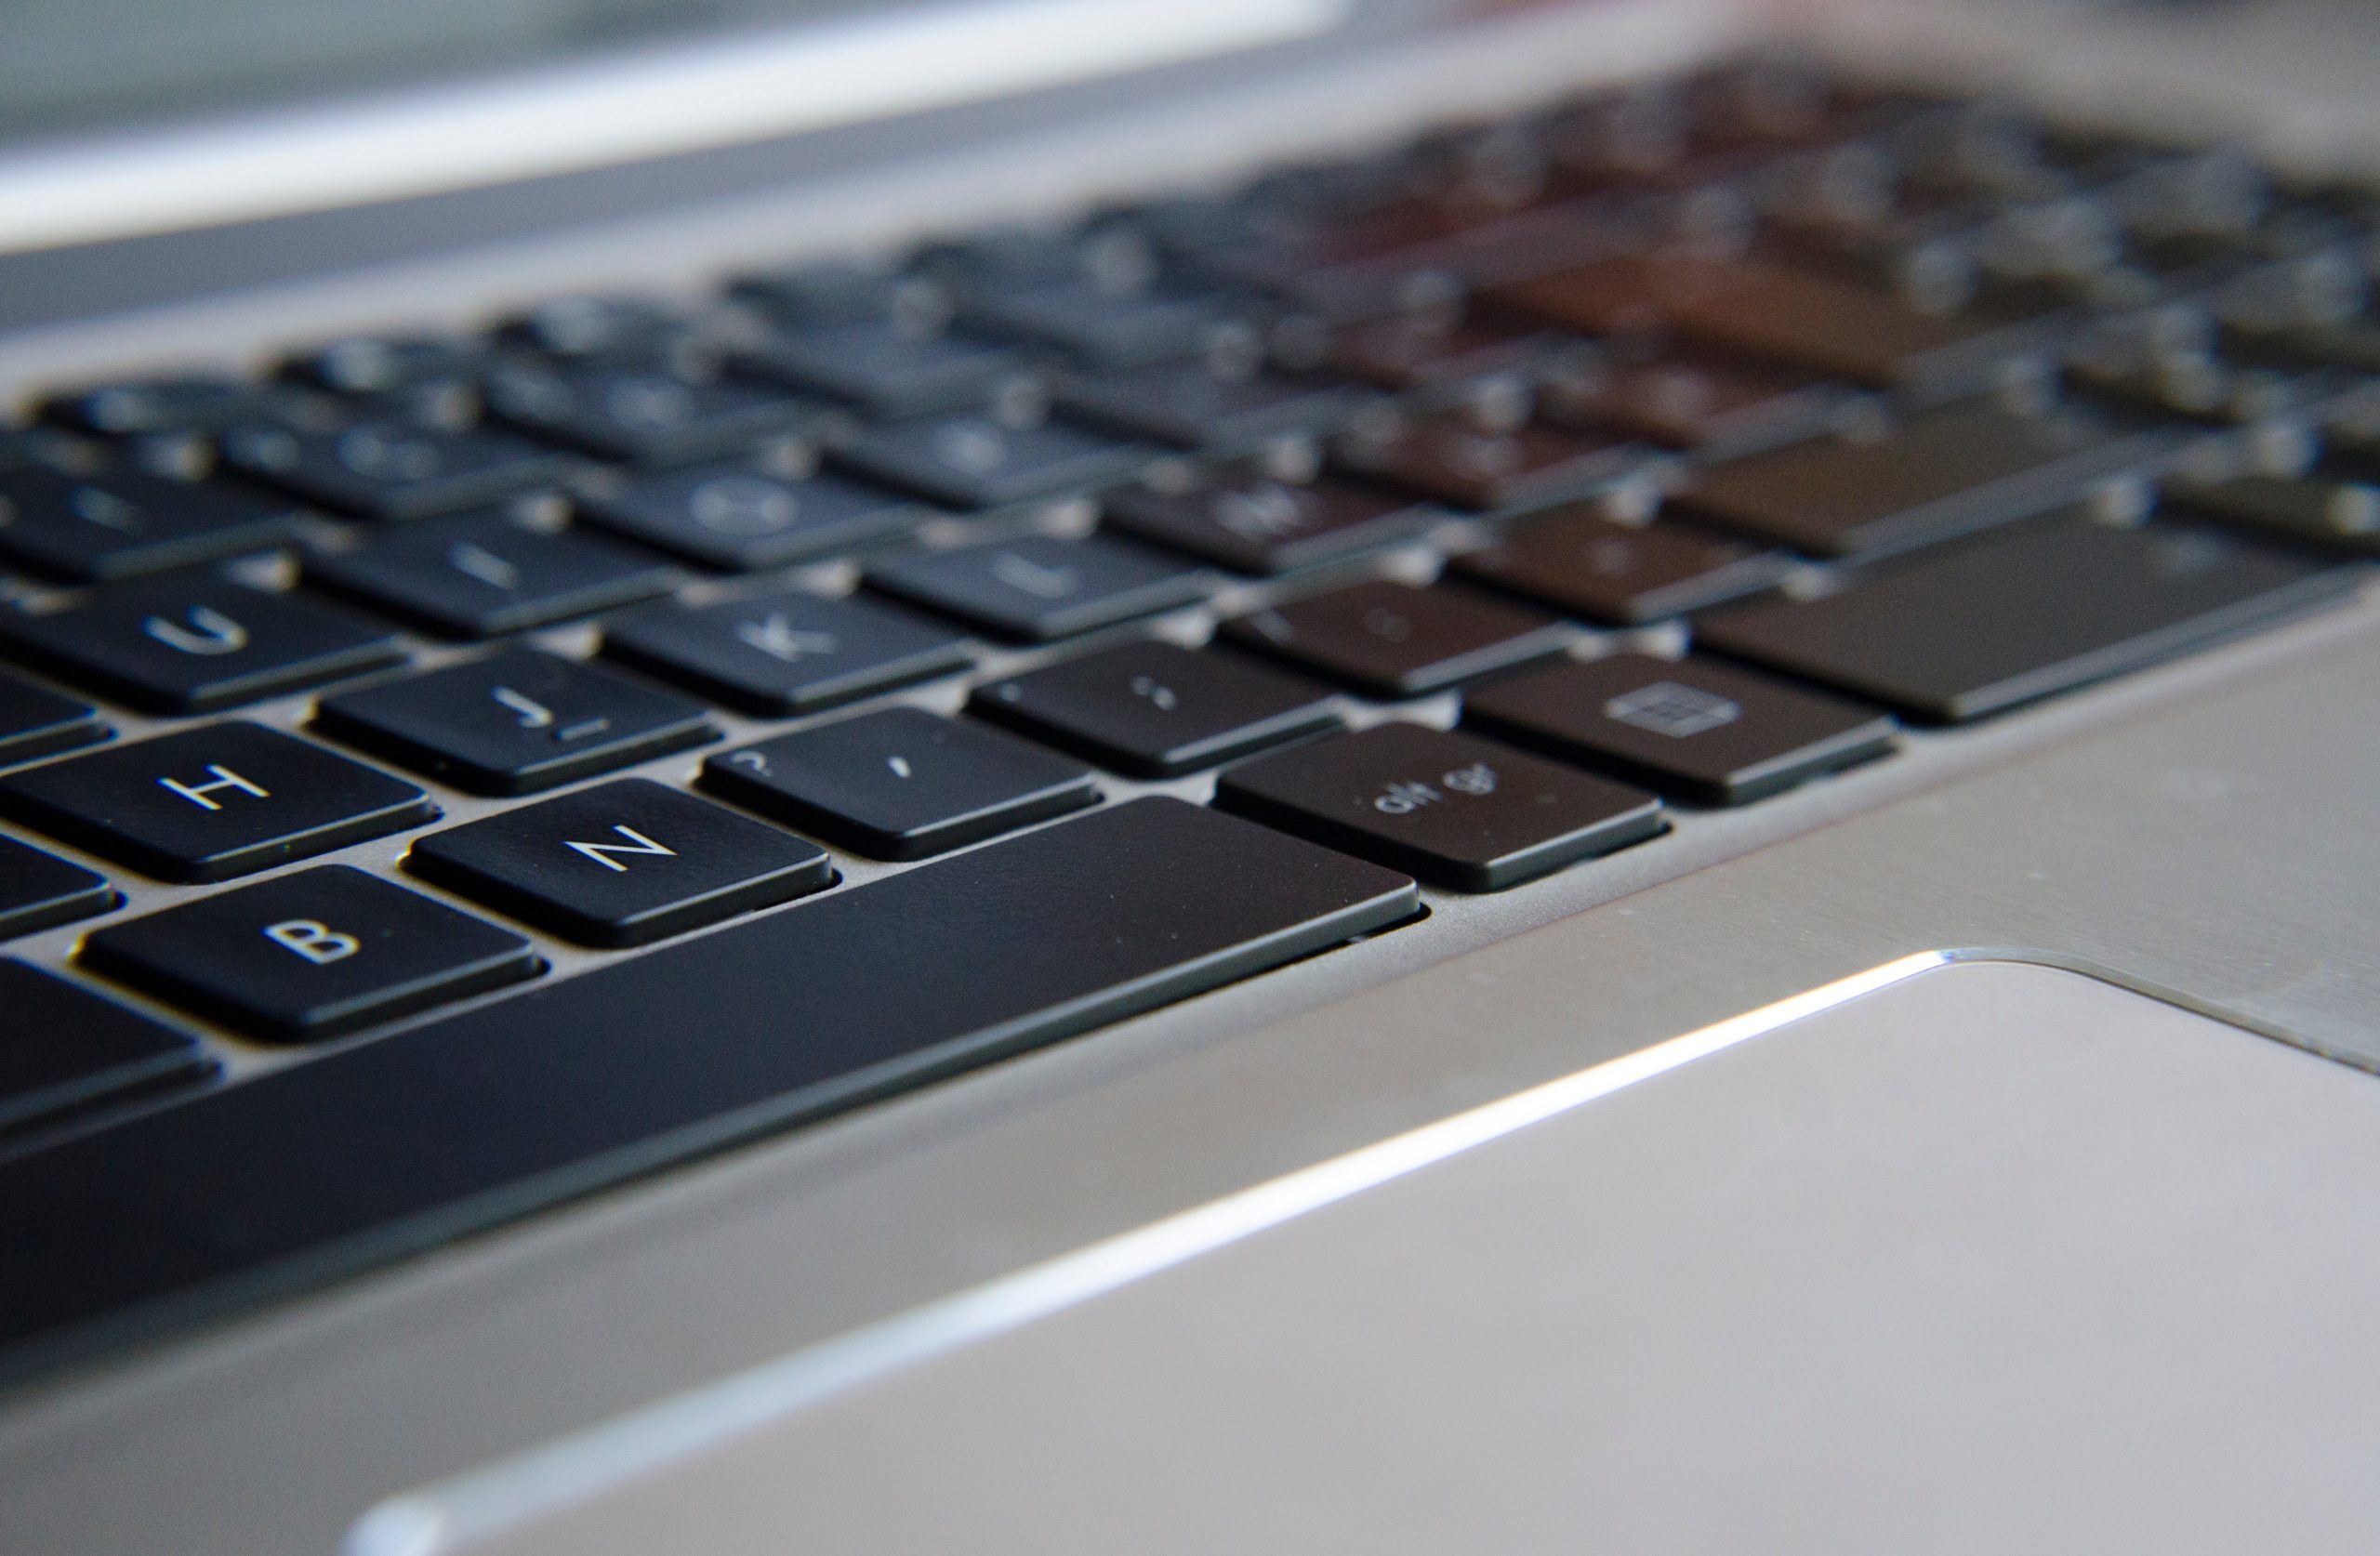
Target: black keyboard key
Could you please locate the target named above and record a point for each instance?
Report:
(901, 784)
(1716, 406)
(382, 365)
(35, 721)
(2026, 614)
(1107, 329)
(1190, 404)
(1452, 458)
(184, 404)
(121, 523)
(1868, 334)
(1036, 587)
(975, 462)
(1413, 352)
(1157, 710)
(1698, 729)
(1395, 640)
(1452, 809)
(1579, 562)
(2325, 508)
(309, 956)
(194, 645)
(786, 653)
(622, 863)
(390, 1147)
(891, 372)
(482, 576)
(212, 802)
(391, 469)
(589, 328)
(39, 890)
(1255, 524)
(515, 723)
(642, 415)
(741, 518)
(1841, 327)
(1941, 475)
(66, 1050)
(840, 292)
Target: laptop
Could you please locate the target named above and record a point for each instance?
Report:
(1258, 775)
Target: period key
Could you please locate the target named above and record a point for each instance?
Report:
(1451, 809)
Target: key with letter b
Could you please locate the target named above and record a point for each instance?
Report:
(309, 956)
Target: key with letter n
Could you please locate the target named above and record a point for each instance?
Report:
(678, 862)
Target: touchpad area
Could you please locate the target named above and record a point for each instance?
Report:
(1994, 1258)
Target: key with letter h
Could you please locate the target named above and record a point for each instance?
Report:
(212, 802)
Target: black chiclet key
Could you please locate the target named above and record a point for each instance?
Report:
(736, 518)
(38, 889)
(1156, 710)
(1698, 729)
(901, 784)
(36, 721)
(1264, 526)
(622, 863)
(1577, 561)
(787, 652)
(309, 956)
(1938, 476)
(391, 469)
(973, 461)
(1449, 808)
(1451, 458)
(66, 1050)
(137, 407)
(638, 415)
(212, 802)
(482, 576)
(1395, 640)
(195, 645)
(2022, 615)
(889, 371)
(1037, 587)
(515, 723)
(91, 528)
(1188, 404)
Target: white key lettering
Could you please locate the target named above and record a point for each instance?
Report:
(223, 778)
(638, 843)
(105, 509)
(479, 563)
(1027, 577)
(1403, 799)
(534, 714)
(313, 940)
(209, 632)
(775, 635)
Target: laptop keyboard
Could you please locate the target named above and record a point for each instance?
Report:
(1455, 514)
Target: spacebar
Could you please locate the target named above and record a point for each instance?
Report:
(393, 1146)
